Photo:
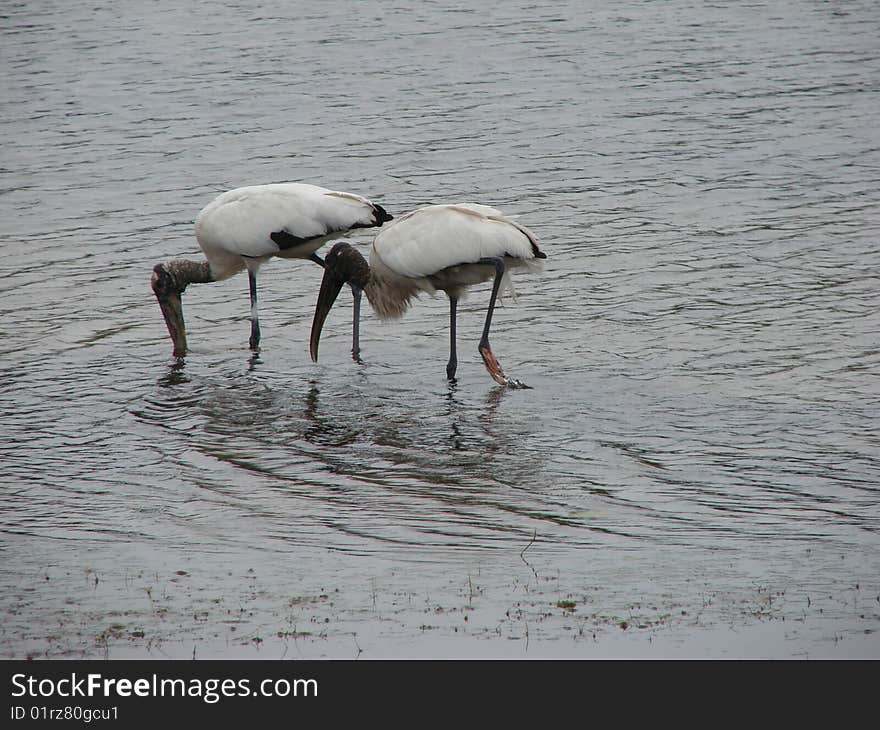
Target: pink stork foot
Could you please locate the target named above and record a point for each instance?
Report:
(494, 368)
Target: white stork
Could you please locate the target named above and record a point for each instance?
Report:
(446, 247)
(245, 227)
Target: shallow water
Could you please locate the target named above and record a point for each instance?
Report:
(696, 469)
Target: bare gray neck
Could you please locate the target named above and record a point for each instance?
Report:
(184, 272)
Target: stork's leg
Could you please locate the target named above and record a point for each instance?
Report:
(452, 365)
(489, 359)
(356, 323)
(255, 320)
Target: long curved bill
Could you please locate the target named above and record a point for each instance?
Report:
(331, 285)
(172, 310)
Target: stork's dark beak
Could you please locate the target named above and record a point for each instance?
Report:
(172, 308)
(331, 285)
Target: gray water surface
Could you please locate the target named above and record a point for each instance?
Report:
(696, 469)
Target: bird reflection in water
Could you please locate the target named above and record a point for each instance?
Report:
(326, 430)
(253, 361)
(485, 416)
(176, 375)
(436, 437)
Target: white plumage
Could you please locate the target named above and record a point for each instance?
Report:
(435, 237)
(236, 228)
(245, 227)
(422, 245)
(439, 247)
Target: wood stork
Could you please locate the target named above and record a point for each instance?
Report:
(245, 227)
(446, 247)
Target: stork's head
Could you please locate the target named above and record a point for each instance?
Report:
(167, 291)
(347, 265)
(343, 265)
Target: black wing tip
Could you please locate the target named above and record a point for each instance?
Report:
(539, 254)
(382, 215)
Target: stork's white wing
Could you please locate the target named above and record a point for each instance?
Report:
(242, 221)
(435, 237)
